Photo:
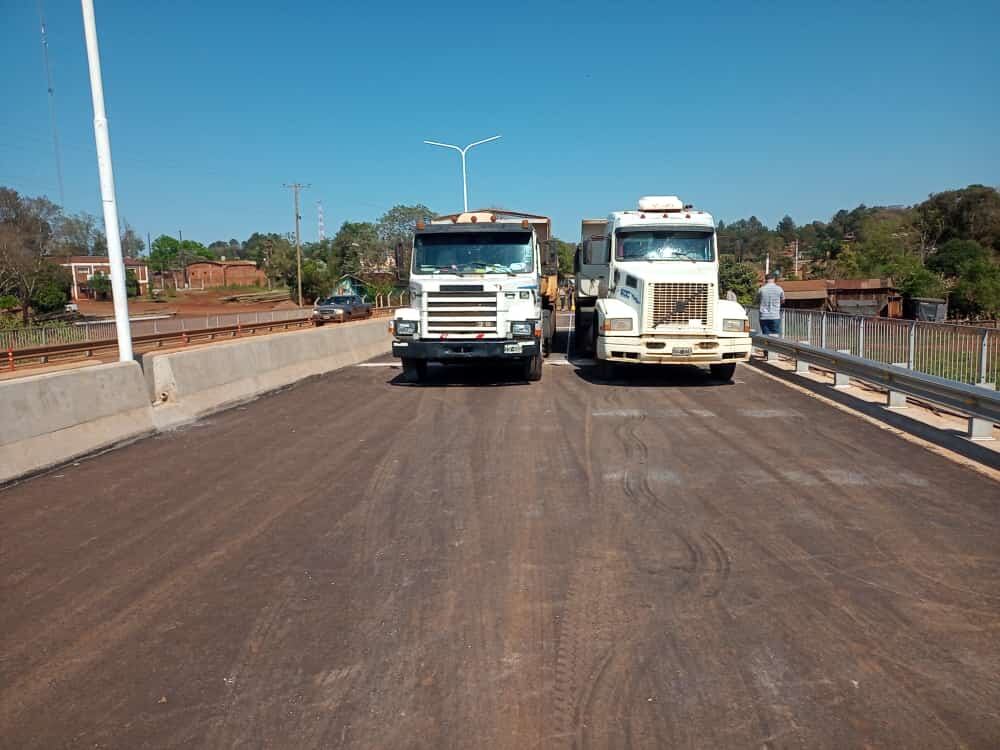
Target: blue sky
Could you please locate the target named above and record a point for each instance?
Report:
(742, 108)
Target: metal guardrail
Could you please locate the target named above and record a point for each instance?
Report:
(975, 401)
(955, 352)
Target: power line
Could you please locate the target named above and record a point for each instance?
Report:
(52, 103)
(296, 187)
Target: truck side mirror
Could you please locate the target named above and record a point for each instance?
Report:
(576, 259)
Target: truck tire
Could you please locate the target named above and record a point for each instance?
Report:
(414, 370)
(533, 368)
(724, 371)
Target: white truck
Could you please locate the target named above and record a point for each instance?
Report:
(647, 291)
(482, 287)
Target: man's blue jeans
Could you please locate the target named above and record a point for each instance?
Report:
(770, 327)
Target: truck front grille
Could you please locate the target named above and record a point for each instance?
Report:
(679, 304)
(462, 314)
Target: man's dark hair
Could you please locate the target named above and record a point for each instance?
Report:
(770, 277)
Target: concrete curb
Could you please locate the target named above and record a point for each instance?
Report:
(187, 385)
(48, 419)
(52, 418)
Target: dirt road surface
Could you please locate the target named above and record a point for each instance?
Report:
(666, 562)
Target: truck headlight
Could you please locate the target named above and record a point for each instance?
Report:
(406, 327)
(524, 328)
(736, 325)
(617, 324)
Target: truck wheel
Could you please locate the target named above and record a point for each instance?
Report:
(723, 372)
(414, 370)
(533, 368)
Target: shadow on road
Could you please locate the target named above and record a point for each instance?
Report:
(944, 438)
(649, 376)
(472, 375)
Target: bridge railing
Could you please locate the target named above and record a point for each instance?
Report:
(961, 353)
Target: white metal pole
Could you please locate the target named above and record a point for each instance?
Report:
(465, 184)
(103, 141)
(462, 151)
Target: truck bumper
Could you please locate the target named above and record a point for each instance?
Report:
(458, 350)
(673, 351)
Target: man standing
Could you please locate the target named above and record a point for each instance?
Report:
(769, 300)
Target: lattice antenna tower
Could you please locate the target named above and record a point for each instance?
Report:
(319, 218)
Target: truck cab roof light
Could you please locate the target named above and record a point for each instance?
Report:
(493, 218)
(454, 220)
(524, 224)
(473, 219)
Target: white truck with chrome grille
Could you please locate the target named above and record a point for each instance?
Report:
(647, 291)
(479, 290)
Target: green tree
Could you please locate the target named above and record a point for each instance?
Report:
(565, 251)
(163, 255)
(355, 247)
(132, 244)
(26, 244)
(131, 283)
(977, 293)
(953, 255)
(740, 277)
(787, 229)
(100, 285)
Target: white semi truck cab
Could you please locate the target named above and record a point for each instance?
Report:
(647, 290)
(477, 292)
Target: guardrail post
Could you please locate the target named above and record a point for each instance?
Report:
(895, 399)
(801, 366)
(981, 430)
(770, 356)
(841, 379)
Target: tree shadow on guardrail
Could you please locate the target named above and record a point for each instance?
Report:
(949, 439)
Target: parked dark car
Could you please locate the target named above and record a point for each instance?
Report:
(339, 308)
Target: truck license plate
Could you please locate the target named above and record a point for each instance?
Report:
(511, 348)
(681, 351)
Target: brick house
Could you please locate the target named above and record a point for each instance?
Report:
(83, 267)
(206, 273)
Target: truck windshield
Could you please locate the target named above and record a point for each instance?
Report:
(473, 252)
(664, 245)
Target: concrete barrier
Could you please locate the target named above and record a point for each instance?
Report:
(51, 418)
(185, 385)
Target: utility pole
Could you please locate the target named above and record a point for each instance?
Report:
(107, 177)
(180, 256)
(796, 258)
(296, 187)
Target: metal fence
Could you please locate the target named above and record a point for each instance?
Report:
(27, 338)
(102, 330)
(956, 352)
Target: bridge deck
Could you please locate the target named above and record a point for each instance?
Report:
(358, 563)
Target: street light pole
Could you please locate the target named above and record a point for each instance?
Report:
(107, 177)
(463, 151)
